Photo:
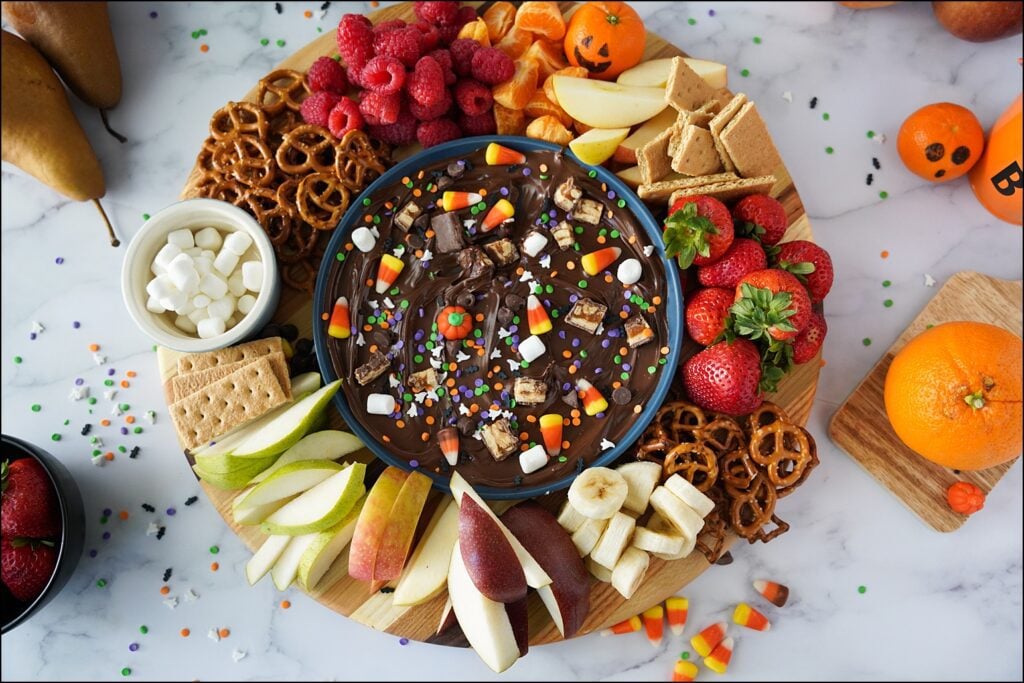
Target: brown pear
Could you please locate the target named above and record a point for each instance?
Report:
(40, 134)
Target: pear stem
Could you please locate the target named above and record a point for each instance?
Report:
(114, 242)
(106, 124)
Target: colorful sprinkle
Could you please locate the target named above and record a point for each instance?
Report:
(883, 194)
(143, 629)
(866, 341)
(126, 671)
(17, 360)
(101, 583)
(744, 72)
(887, 303)
(757, 40)
(280, 42)
(825, 117)
(264, 41)
(36, 407)
(862, 589)
(214, 550)
(829, 150)
(185, 633)
(285, 604)
(691, 21)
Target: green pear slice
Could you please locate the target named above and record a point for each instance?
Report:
(264, 558)
(236, 479)
(228, 464)
(287, 566)
(427, 571)
(329, 444)
(284, 431)
(293, 478)
(255, 515)
(321, 507)
(326, 548)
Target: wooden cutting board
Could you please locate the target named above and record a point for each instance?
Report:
(861, 428)
(352, 598)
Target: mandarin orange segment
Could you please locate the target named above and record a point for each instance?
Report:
(574, 71)
(541, 18)
(515, 42)
(549, 57)
(549, 128)
(581, 127)
(510, 121)
(539, 105)
(517, 91)
(476, 30)
(499, 18)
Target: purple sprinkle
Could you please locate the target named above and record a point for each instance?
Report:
(600, 416)
(461, 162)
(478, 382)
(153, 15)
(611, 194)
(418, 335)
(421, 312)
(456, 398)
(93, 553)
(711, 12)
(573, 298)
(107, 512)
(468, 393)
(420, 348)
(398, 316)
(614, 333)
(561, 334)
(504, 395)
(403, 641)
(566, 386)
(626, 308)
(79, 381)
(171, 512)
(133, 647)
(513, 328)
(60, 260)
(414, 463)
(504, 191)
(32, 335)
(106, 535)
(626, 295)
(598, 371)
(76, 324)
(627, 367)
(578, 363)
(605, 343)
(575, 342)
(400, 344)
(110, 372)
(526, 170)
(515, 340)
(124, 431)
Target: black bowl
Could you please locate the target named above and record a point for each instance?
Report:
(72, 535)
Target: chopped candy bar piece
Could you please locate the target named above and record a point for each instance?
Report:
(593, 401)
(631, 625)
(587, 315)
(448, 440)
(534, 243)
(530, 391)
(676, 610)
(638, 332)
(499, 439)
(588, 211)
(503, 252)
(497, 155)
(567, 195)
(424, 380)
(388, 271)
(532, 348)
(474, 263)
(374, 367)
(551, 432)
(654, 624)
(447, 232)
(453, 201)
(502, 211)
(705, 641)
(409, 213)
(597, 261)
(684, 671)
(718, 660)
(563, 235)
(533, 459)
(745, 615)
(537, 316)
(775, 593)
(340, 326)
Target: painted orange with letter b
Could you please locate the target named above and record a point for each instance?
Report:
(998, 177)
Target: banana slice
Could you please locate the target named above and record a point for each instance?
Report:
(570, 518)
(629, 571)
(614, 540)
(641, 478)
(689, 494)
(657, 542)
(681, 515)
(587, 536)
(598, 492)
(600, 573)
(659, 524)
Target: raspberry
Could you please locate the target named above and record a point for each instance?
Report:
(327, 75)
(434, 111)
(380, 109)
(450, 32)
(430, 36)
(385, 26)
(436, 12)
(473, 97)
(462, 51)
(355, 42)
(344, 117)
(317, 107)
(426, 83)
(481, 124)
(430, 133)
(383, 75)
(402, 43)
(444, 58)
(401, 132)
(492, 66)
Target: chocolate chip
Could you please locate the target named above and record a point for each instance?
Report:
(571, 399)
(381, 339)
(290, 332)
(415, 241)
(465, 299)
(421, 223)
(465, 425)
(444, 183)
(622, 396)
(725, 559)
(514, 301)
(455, 169)
(505, 315)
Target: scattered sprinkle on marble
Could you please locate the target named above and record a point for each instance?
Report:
(280, 42)
(36, 407)
(884, 253)
(237, 655)
(127, 671)
(76, 324)
(929, 281)
(264, 41)
(278, 8)
(691, 21)
(132, 647)
(876, 163)
(825, 116)
(788, 96)
(813, 103)
(757, 40)
(744, 72)
(870, 179)
(17, 360)
(887, 283)
(879, 138)
(148, 508)
(101, 583)
(59, 260)
(887, 303)
(191, 596)
(213, 634)
(862, 589)
(866, 341)
(829, 150)
(143, 629)
(191, 499)
(167, 574)
(403, 641)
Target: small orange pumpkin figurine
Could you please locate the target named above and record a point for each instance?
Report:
(965, 498)
(940, 142)
(998, 179)
(606, 38)
(453, 322)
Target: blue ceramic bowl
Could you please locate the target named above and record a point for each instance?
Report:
(467, 146)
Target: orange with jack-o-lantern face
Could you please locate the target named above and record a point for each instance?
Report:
(998, 179)
(940, 142)
(606, 38)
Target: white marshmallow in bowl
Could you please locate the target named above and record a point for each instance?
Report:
(252, 276)
(211, 327)
(237, 243)
(209, 238)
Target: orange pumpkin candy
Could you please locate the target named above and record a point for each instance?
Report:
(606, 38)
(454, 323)
(940, 141)
(998, 179)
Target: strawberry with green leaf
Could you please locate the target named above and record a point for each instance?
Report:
(770, 304)
(698, 231)
(810, 263)
(725, 378)
(707, 313)
(810, 339)
(760, 217)
(26, 566)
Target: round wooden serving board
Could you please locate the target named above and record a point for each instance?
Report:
(353, 598)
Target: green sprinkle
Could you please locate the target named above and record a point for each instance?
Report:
(583, 354)
(67, 422)
(582, 284)
(394, 291)
(524, 364)
(403, 304)
(515, 320)
(624, 376)
(744, 72)
(320, 30)
(614, 234)
(691, 21)
(562, 458)
(478, 333)
(202, 31)
(340, 256)
(145, 216)
(554, 312)
(862, 589)
(143, 629)
(866, 341)
(883, 194)
(651, 369)
(36, 407)
(478, 391)
(829, 150)
(407, 396)
(280, 43)
(126, 671)
(592, 173)
(887, 303)
(55, 437)
(871, 134)
(886, 283)
(108, 382)
(17, 360)
(825, 117)
(264, 41)
(684, 655)
(122, 449)
(214, 550)
(474, 211)
(137, 430)
(621, 203)
(96, 452)
(104, 520)
(124, 407)
(549, 289)
(578, 229)
(376, 219)
(544, 177)
(195, 35)
(662, 360)
(92, 400)
(366, 201)
(929, 326)
(757, 40)
(101, 582)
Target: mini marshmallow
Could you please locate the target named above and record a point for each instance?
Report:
(246, 303)
(534, 243)
(235, 284)
(181, 238)
(202, 265)
(185, 325)
(213, 285)
(226, 261)
(209, 238)
(533, 459)
(531, 348)
(183, 274)
(629, 271)
(209, 253)
(186, 307)
(380, 404)
(192, 251)
(237, 242)
(222, 308)
(196, 315)
(153, 306)
(174, 300)
(210, 327)
(201, 301)
(160, 287)
(363, 239)
(166, 255)
(252, 275)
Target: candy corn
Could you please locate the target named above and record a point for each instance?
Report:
(340, 326)
(718, 660)
(775, 593)
(599, 260)
(745, 615)
(676, 609)
(593, 401)
(654, 624)
(499, 213)
(684, 671)
(705, 641)
(551, 430)
(497, 155)
(388, 271)
(631, 625)
(452, 201)
(448, 440)
(537, 315)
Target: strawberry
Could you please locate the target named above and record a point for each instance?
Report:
(810, 263)
(29, 507)
(760, 217)
(698, 230)
(770, 303)
(725, 377)
(26, 566)
(743, 256)
(807, 343)
(706, 313)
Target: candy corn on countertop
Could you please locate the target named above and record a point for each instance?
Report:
(873, 593)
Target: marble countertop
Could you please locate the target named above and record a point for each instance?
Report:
(875, 593)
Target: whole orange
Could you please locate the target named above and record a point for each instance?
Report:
(605, 37)
(940, 142)
(953, 395)
(998, 179)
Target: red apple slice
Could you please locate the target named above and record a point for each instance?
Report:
(488, 556)
(373, 520)
(401, 526)
(519, 617)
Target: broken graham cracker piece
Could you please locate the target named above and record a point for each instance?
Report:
(189, 383)
(232, 354)
(244, 395)
(653, 159)
(686, 90)
(722, 120)
(499, 439)
(530, 392)
(663, 189)
(587, 315)
(748, 144)
(727, 190)
(375, 366)
(696, 155)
